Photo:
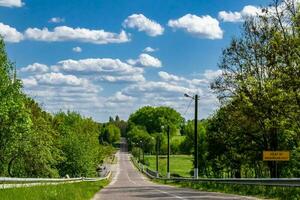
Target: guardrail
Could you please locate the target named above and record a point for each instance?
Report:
(8, 182)
(282, 182)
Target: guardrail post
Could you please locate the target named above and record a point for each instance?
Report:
(168, 175)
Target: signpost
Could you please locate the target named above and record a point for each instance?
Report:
(276, 155)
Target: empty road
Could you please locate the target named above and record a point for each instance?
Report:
(129, 184)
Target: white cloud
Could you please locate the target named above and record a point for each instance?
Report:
(56, 20)
(212, 74)
(230, 16)
(142, 23)
(123, 78)
(149, 50)
(160, 88)
(64, 33)
(170, 77)
(202, 27)
(146, 60)
(119, 97)
(60, 79)
(98, 65)
(29, 82)
(35, 67)
(10, 34)
(105, 69)
(77, 49)
(247, 11)
(11, 3)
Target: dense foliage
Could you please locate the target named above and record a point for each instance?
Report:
(259, 91)
(149, 124)
(34, 143)
(259, 88)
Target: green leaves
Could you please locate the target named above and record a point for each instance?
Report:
(34, 143)
(260, 88)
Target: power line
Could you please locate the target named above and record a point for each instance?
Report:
(188, 107)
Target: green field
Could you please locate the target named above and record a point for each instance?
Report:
(179, 164)
(68, 191)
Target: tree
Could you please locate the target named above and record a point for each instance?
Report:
(14, 119)
(261, 71)
(110, 133)
(153, 118)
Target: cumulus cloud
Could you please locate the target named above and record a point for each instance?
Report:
(11, 3)
(123, 78)
(98, 65)
(149, 50)
(29, 82)
(10, 34)
(247, 11)
(77, 49)
(170, 77)
(211, 74)
(56, 20)
(60, 79)
(146, 60)
(35, 67)
(119, 97)
(144, 24)
(160, 88)
(65, 33)
(202, 27)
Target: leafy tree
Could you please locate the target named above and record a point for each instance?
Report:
(139, 137)
(153, 118)
(261, 71)
(110, 133)
(14, 120)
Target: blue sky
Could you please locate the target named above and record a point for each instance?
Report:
(92, 56)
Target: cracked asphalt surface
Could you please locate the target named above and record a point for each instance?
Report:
(129, 184)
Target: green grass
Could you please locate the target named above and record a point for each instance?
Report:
(68, 191)
(273, 192)
(179, 164)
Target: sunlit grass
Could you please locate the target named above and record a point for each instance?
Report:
(179, 164)
(68, 191)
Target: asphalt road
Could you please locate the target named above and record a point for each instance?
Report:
(129, 184)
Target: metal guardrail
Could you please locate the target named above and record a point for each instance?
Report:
(282, 182)
(8, 182)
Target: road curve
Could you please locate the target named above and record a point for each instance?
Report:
(129, 184)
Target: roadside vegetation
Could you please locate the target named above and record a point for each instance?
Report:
(35, 143)
(265, 192)
(71, 191)
(258, 89)
(180, 165)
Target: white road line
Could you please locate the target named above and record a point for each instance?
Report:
(116, 176)
(173, 195)
(131, 180)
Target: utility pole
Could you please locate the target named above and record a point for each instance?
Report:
(196, 98)
(157, 149)
(168, 161)
(196, 138)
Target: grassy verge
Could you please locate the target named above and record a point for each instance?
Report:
(68, 191)
(179, 164)
(273, 192)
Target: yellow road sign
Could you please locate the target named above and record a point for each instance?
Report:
(276, 155)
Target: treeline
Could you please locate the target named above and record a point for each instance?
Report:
(113, 130)
(259, 90)
(34, 143)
